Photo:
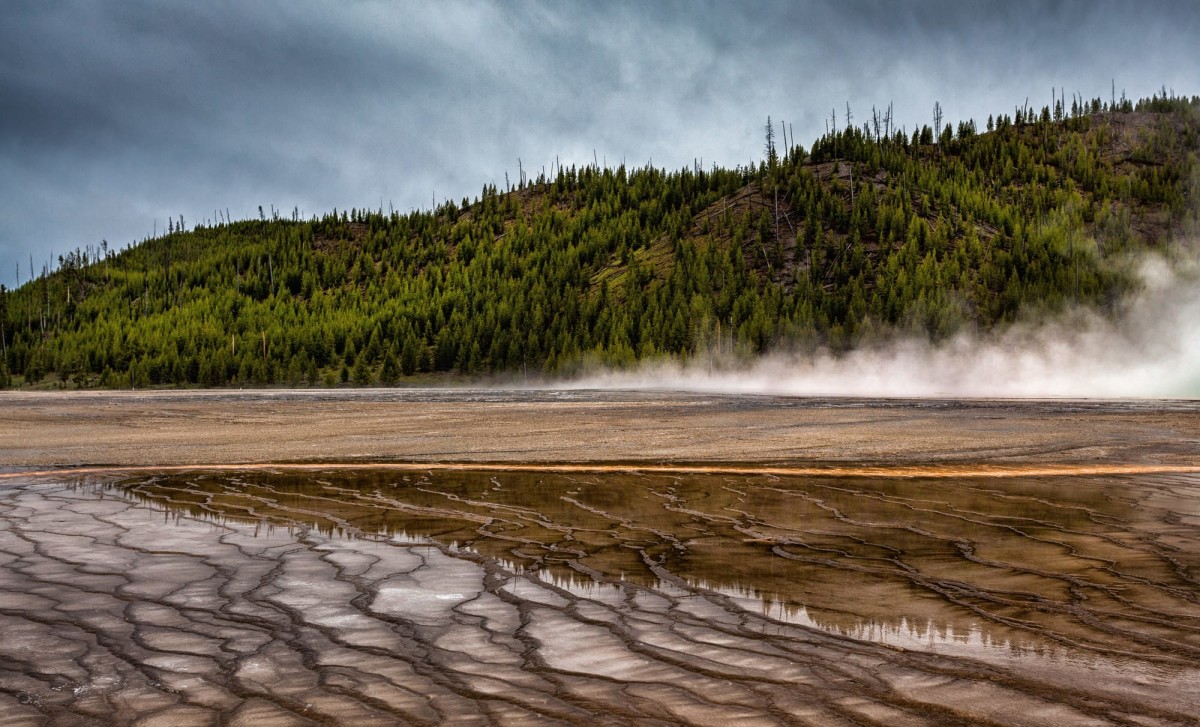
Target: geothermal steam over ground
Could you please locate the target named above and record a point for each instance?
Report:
(1149, 349)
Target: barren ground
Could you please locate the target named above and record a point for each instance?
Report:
(176, 428)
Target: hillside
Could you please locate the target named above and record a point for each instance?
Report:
(868, 234)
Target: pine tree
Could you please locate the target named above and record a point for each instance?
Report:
(389, 372)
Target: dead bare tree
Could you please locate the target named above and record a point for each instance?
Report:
(45, 312)
(3, 320)
(852, 186)
(776, 186)
(937, 124)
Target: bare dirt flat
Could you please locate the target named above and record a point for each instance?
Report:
(459, 425)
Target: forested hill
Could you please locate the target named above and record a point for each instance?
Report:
(870, 233)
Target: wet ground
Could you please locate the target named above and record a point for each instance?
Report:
(282, 596)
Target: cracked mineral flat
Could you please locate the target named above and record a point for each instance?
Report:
(282, 597)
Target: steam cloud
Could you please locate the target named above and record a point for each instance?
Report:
(1151, 351)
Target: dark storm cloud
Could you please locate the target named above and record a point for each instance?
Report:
(116, 115)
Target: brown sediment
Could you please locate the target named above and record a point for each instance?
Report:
(503, 558)
(974, 471)
(377, 596)
(178, 428)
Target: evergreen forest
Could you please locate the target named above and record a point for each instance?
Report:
(872, 233)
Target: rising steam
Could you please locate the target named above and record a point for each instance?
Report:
(1151, 351)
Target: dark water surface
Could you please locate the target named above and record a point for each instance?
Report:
(380, 597)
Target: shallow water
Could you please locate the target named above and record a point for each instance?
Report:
(382, 596)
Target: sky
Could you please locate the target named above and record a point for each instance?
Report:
(115, 116)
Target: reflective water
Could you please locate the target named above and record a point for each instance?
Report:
(378, 597)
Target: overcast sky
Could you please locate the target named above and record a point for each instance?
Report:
(116, 115)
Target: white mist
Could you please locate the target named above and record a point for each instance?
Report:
(1152, 351)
